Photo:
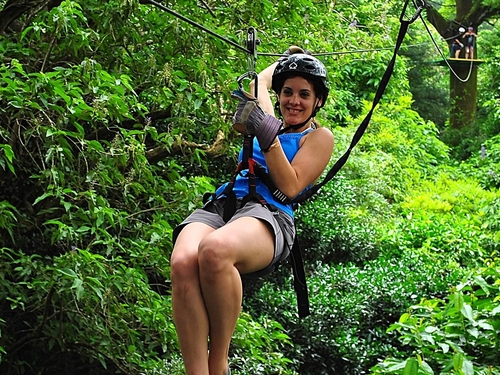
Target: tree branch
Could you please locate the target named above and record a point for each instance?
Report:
(14, 9)
(185, 147)
(441, 24)
(108, 132)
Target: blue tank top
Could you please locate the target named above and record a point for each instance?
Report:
(290, 143)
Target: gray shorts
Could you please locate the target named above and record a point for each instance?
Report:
(282, 224)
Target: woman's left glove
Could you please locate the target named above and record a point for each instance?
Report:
(250, 118)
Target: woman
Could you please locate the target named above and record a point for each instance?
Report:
(470, 42)
(456, 48)
(209, 254)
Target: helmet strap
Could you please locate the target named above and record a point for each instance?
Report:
(296, 126)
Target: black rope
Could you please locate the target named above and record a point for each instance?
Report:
(247, 50)
(191, 22)
(378, 96)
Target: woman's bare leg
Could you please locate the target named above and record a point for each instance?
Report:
(190, 315)
(245, 245)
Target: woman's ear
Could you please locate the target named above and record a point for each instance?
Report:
(277, 108)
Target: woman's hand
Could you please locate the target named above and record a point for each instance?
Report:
(250, 118)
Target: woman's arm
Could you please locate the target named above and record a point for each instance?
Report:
(311, 159)
(265, 78)
(307, 165)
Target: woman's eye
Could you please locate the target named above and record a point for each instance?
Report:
(303, 94)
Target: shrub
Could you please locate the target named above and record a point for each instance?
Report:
(451, 220)
(484, 164)
(336, 228)
(351, 309)
(459, 334)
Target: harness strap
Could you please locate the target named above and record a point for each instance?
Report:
(247, 163)
(260, 172)
(299, 279)
(362, 128)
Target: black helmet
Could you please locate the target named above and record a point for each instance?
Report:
(300, 64)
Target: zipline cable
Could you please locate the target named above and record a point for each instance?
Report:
(248, 50)
(192, 23)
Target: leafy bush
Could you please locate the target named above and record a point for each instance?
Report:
(449, 219)
(93, 309)
(484, 165)
(259, 347)
(459, 334)
(351, 309)
(335, 228)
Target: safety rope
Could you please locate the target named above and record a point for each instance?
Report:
(471, 65)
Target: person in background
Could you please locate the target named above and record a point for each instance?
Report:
(209, 254)
(470, 42)
(457, 45)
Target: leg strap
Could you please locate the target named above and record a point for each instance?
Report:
(299, 279)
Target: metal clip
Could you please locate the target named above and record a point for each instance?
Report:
(251, 45)
(420, 7)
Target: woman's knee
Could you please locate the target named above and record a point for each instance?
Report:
(183, 265)
(214, 254)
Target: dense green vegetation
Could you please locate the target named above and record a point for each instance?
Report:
(114, 121)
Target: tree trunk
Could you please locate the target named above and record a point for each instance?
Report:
(463, 95)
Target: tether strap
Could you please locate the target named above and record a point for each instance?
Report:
(362, 128)
(299, 279)
(246, 163)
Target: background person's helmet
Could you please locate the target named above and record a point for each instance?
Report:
(307, 66)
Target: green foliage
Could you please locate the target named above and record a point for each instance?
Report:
(258, 347)
(337, 227)
(351, 309)
(456, 335)
(342, 223)
(448, 219)
(105, 309)
(428, 82)
(488, 99)
(115, 119)
(8, 218)
(484, 166)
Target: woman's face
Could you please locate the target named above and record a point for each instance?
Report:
(297, 100)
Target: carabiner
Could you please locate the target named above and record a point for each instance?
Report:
(420, 7)
(249, 75)
(251, 45)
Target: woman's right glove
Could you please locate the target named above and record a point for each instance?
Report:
(255, 121)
